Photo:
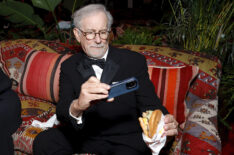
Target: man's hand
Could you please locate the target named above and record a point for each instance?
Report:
(171, 125)
(91, 90)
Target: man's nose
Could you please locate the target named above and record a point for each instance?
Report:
(97, 38)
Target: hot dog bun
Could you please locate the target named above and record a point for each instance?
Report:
(144, 126)
(154, 121)
(149, 122)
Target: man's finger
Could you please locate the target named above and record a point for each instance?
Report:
(110, 100)
(95, 97)
(98, 90)
(93, 79)
(169, 118)
(96, 85)
(171, 132)
(170, 126)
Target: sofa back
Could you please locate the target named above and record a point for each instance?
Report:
(18, 56)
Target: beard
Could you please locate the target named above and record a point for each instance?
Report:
(97, 50)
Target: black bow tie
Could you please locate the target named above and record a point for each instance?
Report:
(98, 62)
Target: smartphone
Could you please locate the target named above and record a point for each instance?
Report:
(123, 87)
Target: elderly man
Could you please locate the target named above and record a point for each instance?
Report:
(91, 123)
(10, 110)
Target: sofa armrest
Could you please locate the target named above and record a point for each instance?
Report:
(200, 133)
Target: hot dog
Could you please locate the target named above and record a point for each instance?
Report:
(149, 122)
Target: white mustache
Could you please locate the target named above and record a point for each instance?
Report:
(97, 46)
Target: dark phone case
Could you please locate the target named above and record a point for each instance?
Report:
(120, 88)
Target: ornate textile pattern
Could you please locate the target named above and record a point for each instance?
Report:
(32, 109)
(13, 57)
(176, 147)
(40, 77)
(205, 86)
(171, 86)
(61, 48)
(208, 63)
(200, 132)
(42, 45)
(13, 54)
(3, 64)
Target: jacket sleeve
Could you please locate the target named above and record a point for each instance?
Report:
(67, 94)
(10, 106)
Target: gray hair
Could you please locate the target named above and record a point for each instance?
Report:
(90, 9)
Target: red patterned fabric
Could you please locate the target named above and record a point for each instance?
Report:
(171, 86)
(201, 129)
(32, 109)
(3, 64)
(207, 83)
(194, 146)
(13, 56)
(40, 77)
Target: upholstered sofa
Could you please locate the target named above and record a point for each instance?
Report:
(186, 83)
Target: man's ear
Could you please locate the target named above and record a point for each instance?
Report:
(76, 33)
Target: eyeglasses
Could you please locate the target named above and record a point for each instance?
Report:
(103, 34)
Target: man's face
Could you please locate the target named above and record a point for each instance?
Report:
(97, 47)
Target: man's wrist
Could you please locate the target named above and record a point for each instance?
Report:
(76, 114)
(74, 109)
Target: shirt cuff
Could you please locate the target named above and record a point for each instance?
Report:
(78, 118)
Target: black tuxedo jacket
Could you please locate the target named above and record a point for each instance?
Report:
(10, 110)
(115, 122)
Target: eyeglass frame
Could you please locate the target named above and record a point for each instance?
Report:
(95, 33)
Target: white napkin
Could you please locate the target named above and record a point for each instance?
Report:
(48, 124)
(157, 142)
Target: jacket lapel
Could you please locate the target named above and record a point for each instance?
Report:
(111, 66)
(109, 71)
(84, 70)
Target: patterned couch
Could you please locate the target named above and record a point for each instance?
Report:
(186, 82)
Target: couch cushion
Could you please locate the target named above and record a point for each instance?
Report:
(207, 83)
(40, 77)
(13, 54)
(201, 128)
(171, 86)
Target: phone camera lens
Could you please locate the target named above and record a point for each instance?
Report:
(130, 85)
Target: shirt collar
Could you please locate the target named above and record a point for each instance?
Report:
(105, 55)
